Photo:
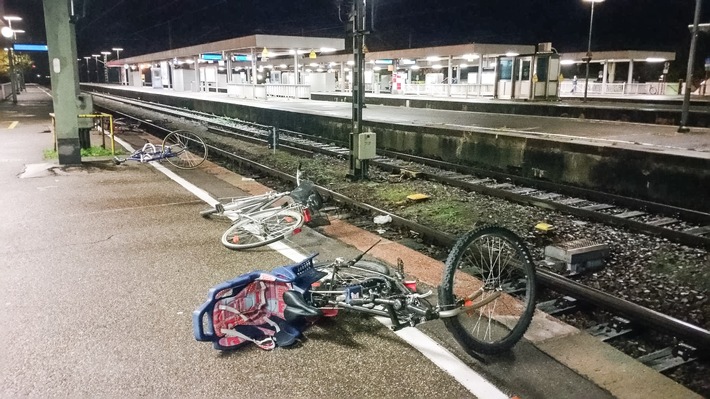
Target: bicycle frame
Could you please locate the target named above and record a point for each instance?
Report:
(245, 205)
(405, 311)
(174, 148)
(150, 152)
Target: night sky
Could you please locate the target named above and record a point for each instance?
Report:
(143, 26)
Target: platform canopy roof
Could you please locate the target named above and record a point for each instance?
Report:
(465, 52)
(276, 46)
(619, 56)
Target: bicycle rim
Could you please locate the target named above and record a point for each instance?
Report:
(184, 150)
(260, 229)
(489, 264)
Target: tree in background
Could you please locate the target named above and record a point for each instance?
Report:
(23, 63)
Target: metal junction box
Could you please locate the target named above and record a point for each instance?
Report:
(367, 147)
(85, 106)
(577, 256)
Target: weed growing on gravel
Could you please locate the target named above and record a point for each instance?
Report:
(679, 267)
(85, 152)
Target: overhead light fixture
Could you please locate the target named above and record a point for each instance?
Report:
(511, 54)
(566, 62)
(655, 59)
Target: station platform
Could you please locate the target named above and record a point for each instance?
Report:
(103, 265)
(625, 134)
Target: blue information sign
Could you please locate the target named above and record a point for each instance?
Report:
(212, 57)
(29, 47)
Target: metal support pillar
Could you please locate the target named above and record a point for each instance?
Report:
(13, 77)
(358, 168)
(588, 58)
(689, 75)
(229, 68)
(449, 76)
(198, 84)
(61, 42)
(295, 67)
(105, 69)
(253, 68)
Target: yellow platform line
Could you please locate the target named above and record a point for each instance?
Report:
(13, 124)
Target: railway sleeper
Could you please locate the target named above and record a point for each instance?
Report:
(557, 306)
(670, 357)
(617, 327)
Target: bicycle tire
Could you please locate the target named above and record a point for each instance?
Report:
(499, 259)
(184, 149)
(261, 228)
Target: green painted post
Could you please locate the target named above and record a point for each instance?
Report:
(61, 41)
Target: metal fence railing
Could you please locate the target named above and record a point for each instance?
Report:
(570, 88)
(5, 90)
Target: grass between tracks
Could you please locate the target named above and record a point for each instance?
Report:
(85, 152)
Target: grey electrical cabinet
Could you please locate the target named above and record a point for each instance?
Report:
(85, 106)
(367, 147)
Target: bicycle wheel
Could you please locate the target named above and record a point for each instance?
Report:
(184, 150)
(489, 266)
(261, 228)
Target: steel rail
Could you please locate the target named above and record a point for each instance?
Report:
(694, 335)
(460, 181)
(691, 334)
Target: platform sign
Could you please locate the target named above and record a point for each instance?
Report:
(384, 62)
(211, 57)
(241, 57)
(29, 47)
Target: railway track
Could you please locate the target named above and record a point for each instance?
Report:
(685, 226)
(689, 341)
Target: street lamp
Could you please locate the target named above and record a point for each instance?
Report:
(12, 35)
(118, 57)
(105, 54)
(88, 73)
(589, 46)
(118, 52)
(96, 58)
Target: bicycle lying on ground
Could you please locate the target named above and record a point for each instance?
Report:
(263, 219)
(486, 298)
(182, 149)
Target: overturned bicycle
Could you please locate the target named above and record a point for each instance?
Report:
(486, 298)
